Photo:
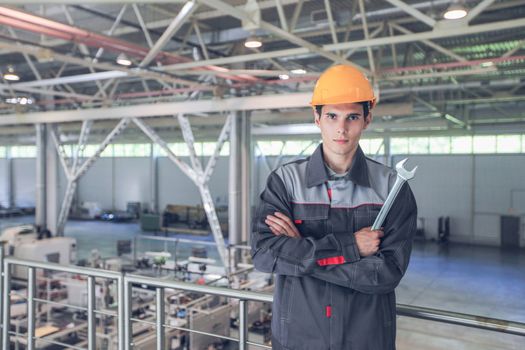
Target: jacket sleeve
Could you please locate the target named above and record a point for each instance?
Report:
(380, 273)
(292, 256)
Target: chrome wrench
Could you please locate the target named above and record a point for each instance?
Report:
(403, 176)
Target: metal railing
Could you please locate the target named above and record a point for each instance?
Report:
(124, 311)
(242, 296)
(31, 299)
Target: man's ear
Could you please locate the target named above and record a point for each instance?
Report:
(316, 118)
(368, 120)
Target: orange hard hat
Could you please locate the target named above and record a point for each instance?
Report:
(342, 84)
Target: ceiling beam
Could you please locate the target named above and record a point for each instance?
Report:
(473, 13)
(312, 129)
(413, 12)
(309, 47)
(186, 11)
(373, 42)
(294, 100)
(73, 79)
(47, 92)
(47, 54)
(431, 44)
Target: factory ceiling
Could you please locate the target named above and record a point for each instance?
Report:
(464, 75)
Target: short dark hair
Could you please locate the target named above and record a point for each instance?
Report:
(366, 108)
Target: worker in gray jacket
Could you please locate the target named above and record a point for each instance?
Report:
(335, 277)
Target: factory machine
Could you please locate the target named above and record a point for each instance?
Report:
(63, 320)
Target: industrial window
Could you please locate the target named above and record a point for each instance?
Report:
(270, 148)
(2, 152)
(208, 148)
(23, 152)
(180, 149)
(287, 148)
(461, 144)
(439, 145)
(90, 150)
(132, 150)
(523, 143)
(310, 149)
(399, 145)
(418, 145)
(484, 144)
(293, 148)
(304, 148)
(372, 147)
(509, 144)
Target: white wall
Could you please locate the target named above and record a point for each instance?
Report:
(24, 178)
(4, 200)
(131, 182)
(496, 178)
(96, 184)
(176, 188)
(473, 190)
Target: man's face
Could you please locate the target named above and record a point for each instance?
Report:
(341, 127)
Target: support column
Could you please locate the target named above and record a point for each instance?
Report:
(10, 179)
(388, 154)
(235, 183)
(246, 163)
(51, 183)
(154, 194)
(40, 200)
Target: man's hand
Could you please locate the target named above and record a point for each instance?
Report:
(368, 241)
(280, 224)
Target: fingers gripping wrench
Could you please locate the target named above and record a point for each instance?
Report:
(403, 176)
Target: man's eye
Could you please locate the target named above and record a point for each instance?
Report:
(353, 117)
(331, 116)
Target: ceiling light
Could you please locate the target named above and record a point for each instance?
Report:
(123, 60)
(455, 11)
(10, 74)
(487, 64)
(284, 76)
(252, 42)
(298, 71)
(19, 100)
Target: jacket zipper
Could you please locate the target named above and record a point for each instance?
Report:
(329, 313)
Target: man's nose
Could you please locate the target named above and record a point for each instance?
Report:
(341, 127)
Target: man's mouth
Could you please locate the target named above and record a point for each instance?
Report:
(341, 141)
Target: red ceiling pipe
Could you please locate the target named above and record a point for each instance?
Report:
(36, 24)
(453, 64)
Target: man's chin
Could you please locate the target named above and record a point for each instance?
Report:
(342, 151)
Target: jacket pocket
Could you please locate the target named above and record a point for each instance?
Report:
(364, 216)
(310, 219)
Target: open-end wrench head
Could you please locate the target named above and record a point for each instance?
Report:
(402, 172)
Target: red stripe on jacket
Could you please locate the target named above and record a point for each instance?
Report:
(335, 260)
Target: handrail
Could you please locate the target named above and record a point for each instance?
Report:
(472, 321)
(190, 287)
(31, 265)
(126, 282)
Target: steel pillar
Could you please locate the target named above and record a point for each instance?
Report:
(51, 182)
(40, 207)
(246, 166)
(234, 184)
(10, 180)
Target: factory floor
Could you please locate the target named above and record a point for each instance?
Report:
(477, 280)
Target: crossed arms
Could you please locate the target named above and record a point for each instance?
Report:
(347, 259)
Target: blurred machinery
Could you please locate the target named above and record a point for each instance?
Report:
(64, 320)
(192, 217)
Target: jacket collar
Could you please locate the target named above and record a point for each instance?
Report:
(317, 174)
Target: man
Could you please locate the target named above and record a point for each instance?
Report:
(335, 277)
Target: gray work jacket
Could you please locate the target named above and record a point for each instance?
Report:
(326, 296)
